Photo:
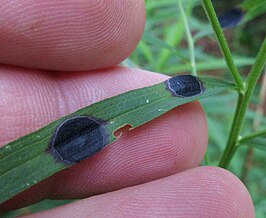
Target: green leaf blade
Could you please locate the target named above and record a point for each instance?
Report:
(33, 158)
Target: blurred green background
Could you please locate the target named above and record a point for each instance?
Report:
(164, 49)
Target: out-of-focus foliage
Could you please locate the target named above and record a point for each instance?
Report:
(254, 8)
(164, 49)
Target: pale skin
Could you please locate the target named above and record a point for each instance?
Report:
(59, 56)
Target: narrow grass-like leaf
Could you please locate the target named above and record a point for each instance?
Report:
(147, 37)
(173, 36)
(254, 8)
(258, 143)
(156, 42)
(71, 139)
(212, 64)
(256, 140)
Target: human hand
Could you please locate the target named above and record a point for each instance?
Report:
(151, 171)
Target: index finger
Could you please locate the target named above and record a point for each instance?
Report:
(69, 35)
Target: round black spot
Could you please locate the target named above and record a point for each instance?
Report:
(231, 18)
(78, 138)
(184, 86)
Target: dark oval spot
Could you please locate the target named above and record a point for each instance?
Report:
(78, 138)
(184, 86)
(231, 18)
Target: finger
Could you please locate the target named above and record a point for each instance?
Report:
(69, 35)
(169, 144)
(200, 192)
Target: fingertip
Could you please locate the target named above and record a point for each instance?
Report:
(69, 36)
(229, 192)
(191, 124)
(200, 192)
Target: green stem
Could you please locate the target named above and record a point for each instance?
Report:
(252, 136)
(209, 10)
(207, 159)
(234, 133)
(243, 100)
(190, 40)
(256, 69)
(245, 91)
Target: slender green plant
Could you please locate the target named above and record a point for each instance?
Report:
(245, 88)
(256, 134)
(189, 38)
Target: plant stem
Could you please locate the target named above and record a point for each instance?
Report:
(256, 69)
(247, 165)
(234, 133)
(190, 40)
(206, 159)
(243, 100)
(252, 136)
(245, 91)
(209, 10)
(256, 124)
